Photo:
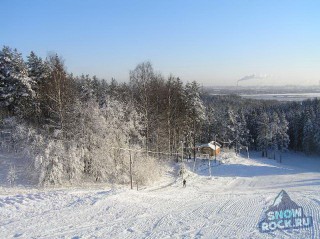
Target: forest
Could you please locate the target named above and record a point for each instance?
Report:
(72, 129)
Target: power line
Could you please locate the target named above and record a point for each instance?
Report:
(145, 151)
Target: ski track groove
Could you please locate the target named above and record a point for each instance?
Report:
(310, 208)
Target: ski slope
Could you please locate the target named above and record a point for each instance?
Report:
(229, 204)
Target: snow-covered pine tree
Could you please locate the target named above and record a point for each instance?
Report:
(317, 126)
(16, 91)
(308, 144)
(283, 137)
(263, 131)
(274, 133)
(238, 132)
(86, 90)
(308, 137)
(38, 71)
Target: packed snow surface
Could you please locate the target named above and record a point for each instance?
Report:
(229, 204)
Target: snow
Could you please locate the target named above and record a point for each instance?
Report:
(210, 145)
(278, 199)
(230, 204)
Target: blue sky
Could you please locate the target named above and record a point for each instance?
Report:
(213, 42)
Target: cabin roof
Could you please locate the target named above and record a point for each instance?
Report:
(209, 145)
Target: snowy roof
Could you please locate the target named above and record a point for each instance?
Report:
(209, 145)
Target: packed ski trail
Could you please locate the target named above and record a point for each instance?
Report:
(227, 205)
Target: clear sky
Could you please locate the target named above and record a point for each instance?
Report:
(213, 42)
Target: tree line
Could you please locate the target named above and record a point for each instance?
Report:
(268, 126)
(71, 128)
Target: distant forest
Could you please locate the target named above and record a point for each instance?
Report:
(74, 128)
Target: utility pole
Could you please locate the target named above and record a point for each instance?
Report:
(182, 151)
(215, 148)
(131, 181)
(282, 146)
(194, 159)
(209, 166)
(236, 148)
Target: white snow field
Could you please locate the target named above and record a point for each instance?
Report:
(230, 204)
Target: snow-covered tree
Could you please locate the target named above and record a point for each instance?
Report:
(274, 133)
(317, 127)
(307, 140)
(12, 175)
(53, 164)
(59, 94)
(145, 168)
(38, 70)
(195, 112)
(264, 136)
(237, 133)
(140, 83)
(283, 137)
(16, 91)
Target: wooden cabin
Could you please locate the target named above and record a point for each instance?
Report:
(210, 149)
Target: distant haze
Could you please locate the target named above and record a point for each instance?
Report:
(213, 42)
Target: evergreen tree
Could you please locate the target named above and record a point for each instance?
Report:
(283, 137)
(307, 141)
(316, 125)
(263, 138)
(38, 71)
(274, 133)
(16, 91)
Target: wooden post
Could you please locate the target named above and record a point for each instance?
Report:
(215, 148)
(194, 140)
(131, 181)
(236, 148)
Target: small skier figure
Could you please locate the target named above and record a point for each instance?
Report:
(184, 183)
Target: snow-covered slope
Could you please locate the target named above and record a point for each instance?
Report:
(230, 204)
